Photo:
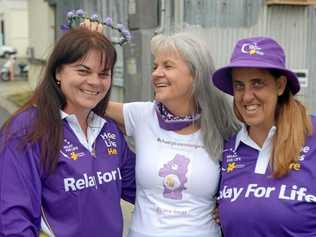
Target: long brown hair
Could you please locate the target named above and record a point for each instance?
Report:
(293, 126)
(47, 126)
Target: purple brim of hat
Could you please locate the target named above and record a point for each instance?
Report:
(222, 78)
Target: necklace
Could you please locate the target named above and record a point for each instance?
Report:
(169, 121)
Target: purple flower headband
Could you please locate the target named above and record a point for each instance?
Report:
(74, 18)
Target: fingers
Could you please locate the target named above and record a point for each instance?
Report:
(99, 28)
(93, 26)
(215, 215)
(86, 24)
(216, 219)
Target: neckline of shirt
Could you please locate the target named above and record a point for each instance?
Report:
(95, 125)
(264, 152)
(243, 136)
(173, 134)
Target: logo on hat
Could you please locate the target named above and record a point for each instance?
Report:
(251, 49)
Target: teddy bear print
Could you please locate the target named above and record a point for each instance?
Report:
(174, 177)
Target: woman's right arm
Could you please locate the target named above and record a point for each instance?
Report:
(114, 111)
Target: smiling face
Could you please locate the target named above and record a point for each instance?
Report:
(172, 81)
(256, 94)
(84, 83)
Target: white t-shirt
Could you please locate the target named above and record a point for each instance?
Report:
(176, 179)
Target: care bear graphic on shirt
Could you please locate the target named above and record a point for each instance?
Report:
(174, 174)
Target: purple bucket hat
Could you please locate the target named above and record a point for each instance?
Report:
(257, 52)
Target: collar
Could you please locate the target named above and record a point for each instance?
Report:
(95, 125)
(264, 153)
(169, 121)
(94, 120)
(243, 136)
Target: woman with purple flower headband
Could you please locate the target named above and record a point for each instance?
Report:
(178, 141)
(64, 167)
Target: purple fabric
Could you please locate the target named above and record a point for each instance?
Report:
(82, 197)
(182, 163)
(169, 121)
(257, 52)
(258, 205)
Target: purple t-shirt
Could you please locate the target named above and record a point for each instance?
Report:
(81, 198)
(256, 205)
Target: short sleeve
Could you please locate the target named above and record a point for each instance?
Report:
(134, 114)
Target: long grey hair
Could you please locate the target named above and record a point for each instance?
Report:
(218, 121)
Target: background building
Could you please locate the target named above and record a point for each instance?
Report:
(291, 22)
(14, 25)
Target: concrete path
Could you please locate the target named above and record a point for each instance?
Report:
(9, 88)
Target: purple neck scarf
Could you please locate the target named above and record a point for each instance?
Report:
(169, 121)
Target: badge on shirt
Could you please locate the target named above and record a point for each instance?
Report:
(110, 141)
(70, 151)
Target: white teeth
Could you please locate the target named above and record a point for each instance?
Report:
(161, 85)
(90, 92)
(251, 107)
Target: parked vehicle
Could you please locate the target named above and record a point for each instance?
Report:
(7, 51)
(4, 74)
(7, 69)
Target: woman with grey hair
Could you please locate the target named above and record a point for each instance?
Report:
(178, 141)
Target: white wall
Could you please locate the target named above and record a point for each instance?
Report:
(41, 34)
(15, 17)
(42, 27)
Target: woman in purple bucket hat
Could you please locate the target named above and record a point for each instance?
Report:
(268, 172)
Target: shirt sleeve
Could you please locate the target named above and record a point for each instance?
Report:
(20, 190)
(128, 173)
(133, 114)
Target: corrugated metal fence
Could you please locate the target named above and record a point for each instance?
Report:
(224, 21)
